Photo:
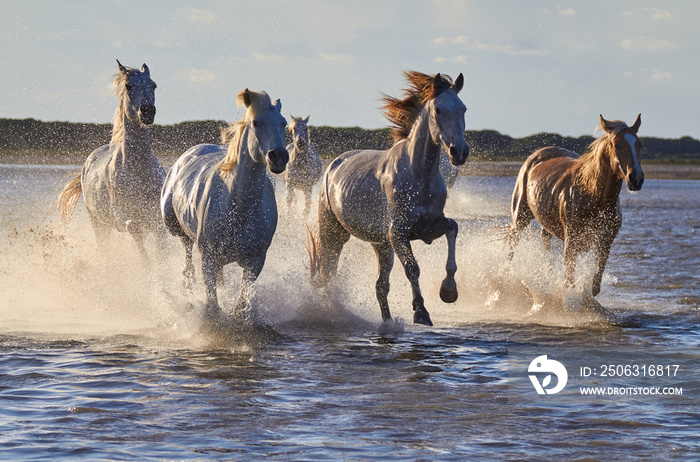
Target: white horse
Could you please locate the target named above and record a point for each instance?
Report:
(389, 198)
(121, 181)
(304, 168)
(221, 198)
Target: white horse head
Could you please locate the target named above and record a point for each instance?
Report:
(300, 131)
(265, 120)
(447, 118)
(136, 93)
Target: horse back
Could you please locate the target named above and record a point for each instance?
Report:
(354, 194)
(544, 187)
(95, 182)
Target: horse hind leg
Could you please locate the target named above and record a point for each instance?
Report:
(402, 246)
(546, 240)
(385, 258)
(331, 240)
(188, 270)
(522, 216)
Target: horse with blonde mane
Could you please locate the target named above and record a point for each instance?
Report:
(221, 198)
(120, 182)
(577, 198)
(305, 167)
(389, 198)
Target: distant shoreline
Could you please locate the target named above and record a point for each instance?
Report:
(660, 171)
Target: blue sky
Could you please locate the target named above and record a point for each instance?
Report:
(529, 66)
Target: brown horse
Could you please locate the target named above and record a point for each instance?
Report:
(577, 198)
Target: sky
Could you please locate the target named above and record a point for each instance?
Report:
(529, 66)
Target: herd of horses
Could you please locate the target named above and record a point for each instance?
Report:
(221, 197)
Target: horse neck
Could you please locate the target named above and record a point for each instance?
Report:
(421, 149)
(136, 144)
(607, 182)
(247, 177)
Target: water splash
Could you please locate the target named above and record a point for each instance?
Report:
(55, 280)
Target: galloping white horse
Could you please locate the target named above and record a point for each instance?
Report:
(304, 168)
(389, 198)
(121, 181)
(221, 198)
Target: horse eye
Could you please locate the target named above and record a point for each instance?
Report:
(128, 87)
(437, 110)
(255, 123)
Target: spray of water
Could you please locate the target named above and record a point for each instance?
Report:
(54, 279)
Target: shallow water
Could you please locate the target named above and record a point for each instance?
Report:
(105, 358)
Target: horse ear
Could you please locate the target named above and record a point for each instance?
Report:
(246, 97)
(122, 69)
(605, 124)
(637, 123)
(307, 119)
(145, 70)
(459, 83)
(278, 105)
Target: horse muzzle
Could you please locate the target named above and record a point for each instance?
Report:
(147, 114)
(458, 155)
(635, 181)
(277, 160)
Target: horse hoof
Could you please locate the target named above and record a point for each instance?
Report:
(421, 316)
(448, 291)
(448, 296)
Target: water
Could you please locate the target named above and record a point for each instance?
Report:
(103, 358)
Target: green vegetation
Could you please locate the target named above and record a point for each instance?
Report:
(56, 139)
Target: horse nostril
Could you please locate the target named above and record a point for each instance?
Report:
(278, 155)
(147, 113)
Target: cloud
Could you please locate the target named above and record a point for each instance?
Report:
(471, 43)
(652, 74)
(644, 43)
(656, 14)
(658, 74)
(461, 59)
(196, 15)
(193, 75)
(568, 12)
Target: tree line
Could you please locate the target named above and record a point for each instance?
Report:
(24, 136)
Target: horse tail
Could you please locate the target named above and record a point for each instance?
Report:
(69, 197)
(312, 248)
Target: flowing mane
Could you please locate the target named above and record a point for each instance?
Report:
(592, 163)
(119, 87)
(257, 102)
(402, 113)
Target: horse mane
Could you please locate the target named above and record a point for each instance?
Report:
(592, 164)
(119, 87)
(256, 102)
(403, 112)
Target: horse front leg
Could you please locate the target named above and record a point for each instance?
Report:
(448, 288)
(385, 258)
(571, 251)
(307, 201)
(210, 269)
(251, 271)
(603, 252)
(402, 248)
